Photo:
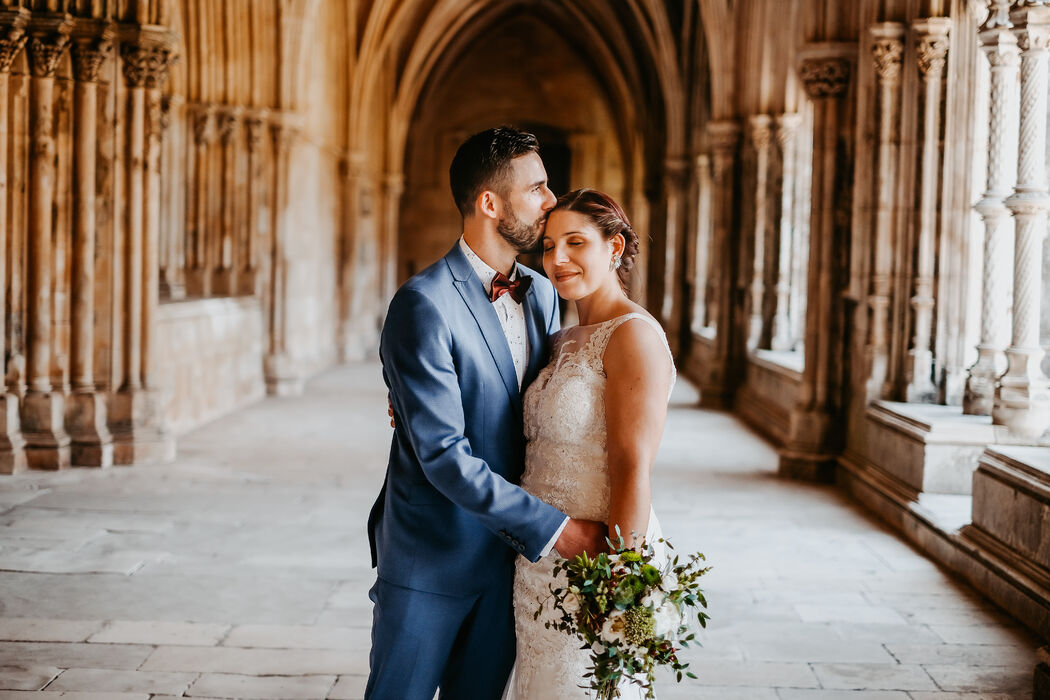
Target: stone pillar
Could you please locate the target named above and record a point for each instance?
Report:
(86, 418)
(12, 443)
(787, 141)
(173, 237)
(1022, 396)
(351, 170)
(814, 436)
(932, 40)
(282, 376)
(136, 419)
(675, 182)
(760, 132)
(249, 271)
(225, 274)
(1000, 46)
(717, 383)
(198, 261)
(702, 253)
(43, 409)
(393, 187)
(887, 50)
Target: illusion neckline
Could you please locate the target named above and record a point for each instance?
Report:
(602, 323)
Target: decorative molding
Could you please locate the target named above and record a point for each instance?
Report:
(825, 77)
(887, 54)
(88, 57)
(932, 45)
(760, 131)
(45, 51)
(14, 39)
(146, 65)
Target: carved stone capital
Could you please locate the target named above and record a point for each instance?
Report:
(932, 45)
(12, 36)
(760, 131)
(787, 126)
(1000, 46)
(228, 121)
(146, 65)
(887, 49)
(723, 136)
(45, 52)
(88, 57)
(998, 15)
(1032, 38)
(283, 136)
(254, 128)
(202, 125)
(825, 76)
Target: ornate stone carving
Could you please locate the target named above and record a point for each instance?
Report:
(998, 15)
(825, 77)
(88, 57)
(254, 128)
(933, 54)
(146, 65)
(202, 131)
(760, 130)
(45, 51)
(887, 54)
(13, 40)
(228, 126)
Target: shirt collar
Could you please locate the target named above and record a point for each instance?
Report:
(481, 268)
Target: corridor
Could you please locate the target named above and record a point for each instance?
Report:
(242, 570)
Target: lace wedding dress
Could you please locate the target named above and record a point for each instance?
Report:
(566, 466)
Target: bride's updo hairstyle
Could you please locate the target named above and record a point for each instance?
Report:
(609, 218)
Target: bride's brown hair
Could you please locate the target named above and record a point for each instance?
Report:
(609, 218)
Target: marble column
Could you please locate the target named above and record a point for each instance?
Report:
(932, 44)
(282, 376)
(1000, 46)
(43, 408)
(92, 444)
(786, 132)
(247, 276)
(12, 443)
(225, 274)
(814, 434)
(1022, 396)
(887, 49)
(760, 133)
(198, 260)
(718, 382)
(136, 417)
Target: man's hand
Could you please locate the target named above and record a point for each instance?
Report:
(582, 536)
(390, 412)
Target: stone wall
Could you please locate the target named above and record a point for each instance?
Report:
(210, 359)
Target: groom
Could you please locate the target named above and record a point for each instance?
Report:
(461, 342)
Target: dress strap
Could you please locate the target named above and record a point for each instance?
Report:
(600, 337)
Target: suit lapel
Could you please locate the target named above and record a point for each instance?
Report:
(470, 288)
(536, 328)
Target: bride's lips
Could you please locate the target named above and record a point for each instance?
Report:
(562, 276)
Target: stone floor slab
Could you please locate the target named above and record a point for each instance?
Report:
(873, 677)
(970, 655)
(297, 637)
(272, 687)
(160, 633)
(795, 694)
(988, 679)
(28, 677)
(97, 680)
(256, 662)
(71, 695)
(106, 656)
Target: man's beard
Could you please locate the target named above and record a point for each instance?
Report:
(522, 236)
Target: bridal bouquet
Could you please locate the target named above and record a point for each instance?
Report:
(632, 611)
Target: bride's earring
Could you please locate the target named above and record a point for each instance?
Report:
(615, 263)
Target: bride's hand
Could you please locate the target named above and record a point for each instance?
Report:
(582, 536)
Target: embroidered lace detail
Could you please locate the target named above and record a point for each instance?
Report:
(566, 466)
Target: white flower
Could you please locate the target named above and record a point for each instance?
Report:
(651, 600)
(669, 581)
(666, 620)
(613, 629)
(597, 648)
(571, 603)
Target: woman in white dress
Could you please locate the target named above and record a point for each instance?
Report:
(593, 422)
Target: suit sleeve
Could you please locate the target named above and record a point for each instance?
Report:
(416, 350)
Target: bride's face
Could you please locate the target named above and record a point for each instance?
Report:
(576, 256)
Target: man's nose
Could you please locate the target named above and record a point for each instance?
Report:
(550, 200)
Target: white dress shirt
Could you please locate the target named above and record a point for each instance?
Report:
(511, 316)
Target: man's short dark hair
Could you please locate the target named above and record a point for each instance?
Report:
(483, 163)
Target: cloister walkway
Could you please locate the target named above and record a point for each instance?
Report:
(242, 570)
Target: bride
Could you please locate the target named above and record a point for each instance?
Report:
(593, 422)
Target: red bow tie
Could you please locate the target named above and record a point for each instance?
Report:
(501, 285)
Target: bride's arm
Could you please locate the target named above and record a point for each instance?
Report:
(638, 372)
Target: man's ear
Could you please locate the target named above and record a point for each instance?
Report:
(488, 204)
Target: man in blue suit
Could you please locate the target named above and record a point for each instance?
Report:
(461, 342)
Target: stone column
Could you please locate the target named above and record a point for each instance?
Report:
(760, 132)
(86, 418)
(249, 271)
(225, 274)
(350, 345)
(1000, 46)
(173, 236)
(814, 436)
(1022, 396)
(12, 443)
(887, 50)
(787, 139)
(932, 41)
(198, 261)
(43, 409)
(717, 383)
(136, 417)
(393, 187)
(702, 253)
(282, 376)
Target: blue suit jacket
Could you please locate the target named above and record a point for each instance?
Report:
(450, 516)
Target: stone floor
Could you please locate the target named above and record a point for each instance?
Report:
(241, 571)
